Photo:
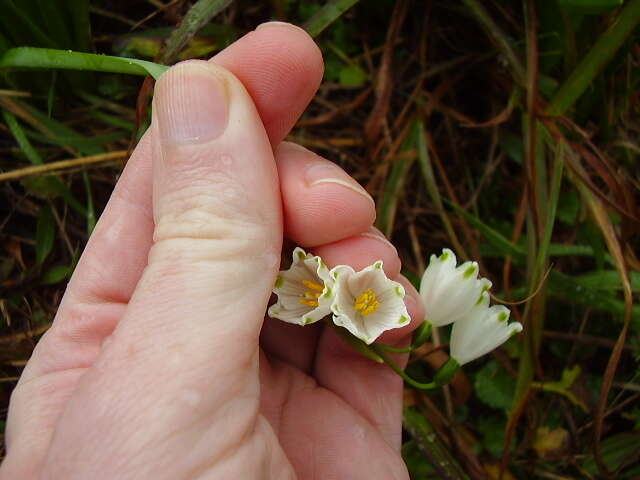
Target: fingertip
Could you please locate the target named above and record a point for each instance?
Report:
(281, 68)
(321, 202)
(360, 251)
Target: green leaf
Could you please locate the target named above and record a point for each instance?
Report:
(57, 274)
(494, 386)
(78, 11)
(491, 428)
(416, 462)
(596, 59)
(352, 76)
(18, 133)
(329, 13)
(570, 289)
(197, 17)
(394, 186)
(29, 57)
(493, 236)
(45, 235)
(590, 6)
(52, 187)
(568, 207)
(616, 451)
(18, 22)
(607, 280)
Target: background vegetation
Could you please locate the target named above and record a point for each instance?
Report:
(505, 129)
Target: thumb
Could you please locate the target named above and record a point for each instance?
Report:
(218, 227)
(188, 341)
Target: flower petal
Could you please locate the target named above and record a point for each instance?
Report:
(385, 311)
(305, 290)
(449, 292)
(482, 331)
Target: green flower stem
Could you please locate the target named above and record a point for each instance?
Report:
(389, 348)
(446, 372)
(422, 334)
(399, 371)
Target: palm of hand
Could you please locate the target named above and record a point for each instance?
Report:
(334, 413)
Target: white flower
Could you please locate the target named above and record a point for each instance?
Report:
(482, 330)
(367, 303)
(449, 293)
(304, 290)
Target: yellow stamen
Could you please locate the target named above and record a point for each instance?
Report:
(366, 303)
(312, 285)
(310, 297)
(309, 303)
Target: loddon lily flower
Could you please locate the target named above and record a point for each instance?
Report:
(304, 291)
(482, 330)
(367, 303)
(450, 292)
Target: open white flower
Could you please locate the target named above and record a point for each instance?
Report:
(449, 292)
(367, 303)
(482, 330)
(304, 290)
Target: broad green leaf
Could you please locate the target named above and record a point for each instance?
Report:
(494, 386)
(491, 428)
(616, 451)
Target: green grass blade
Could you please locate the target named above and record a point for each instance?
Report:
(23, 142)
(91, 210)
(29, 57)
(196, 18)
(500, 38)
(86, 145)
(552, 206)
(45, 235)
(55, 23)
(595, 60)
(574, 290)
(493, 236)
(430, 444)
(394, 186)
(430, 182)
(21, 27)
(328, 14)
(53, 184)
(78, 11)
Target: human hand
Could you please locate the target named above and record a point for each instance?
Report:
(158, 364)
